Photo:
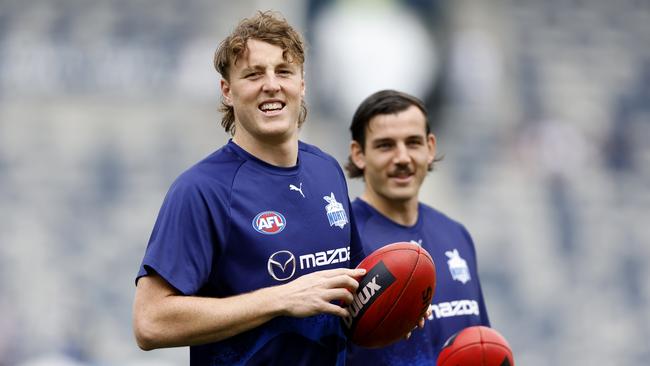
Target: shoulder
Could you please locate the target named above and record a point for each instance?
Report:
(437, 216)
(214, 172)
(361, 209)
(313, 152)
(362, 213)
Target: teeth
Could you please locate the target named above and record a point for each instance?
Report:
(271, 106)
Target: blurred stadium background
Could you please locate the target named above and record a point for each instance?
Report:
(541, 108)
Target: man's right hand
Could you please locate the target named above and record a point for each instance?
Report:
(318, 292)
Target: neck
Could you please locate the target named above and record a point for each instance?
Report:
(403, 212)
(283, 153)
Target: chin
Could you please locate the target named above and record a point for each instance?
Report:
(279, 135)
(278, 127)
(401, 196)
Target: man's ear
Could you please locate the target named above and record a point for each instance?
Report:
(357, 156)
(431, 143)
(225, 91)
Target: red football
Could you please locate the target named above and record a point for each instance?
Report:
(476, 346)
(393, 295)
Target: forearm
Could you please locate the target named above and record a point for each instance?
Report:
(174, 320)
(164, 318)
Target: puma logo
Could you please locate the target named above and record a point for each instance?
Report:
(294, 188)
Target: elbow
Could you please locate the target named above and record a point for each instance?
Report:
(145, 344)
(146, 335)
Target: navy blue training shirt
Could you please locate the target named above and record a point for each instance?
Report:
(232, 224)
(458, 300)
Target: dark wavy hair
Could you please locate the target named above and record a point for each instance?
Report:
(381, 102)
(268, 27)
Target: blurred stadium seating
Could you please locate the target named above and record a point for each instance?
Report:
(544, 126)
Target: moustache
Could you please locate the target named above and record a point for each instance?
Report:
(401, 170)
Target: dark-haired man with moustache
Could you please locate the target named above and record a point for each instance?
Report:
(393, 149)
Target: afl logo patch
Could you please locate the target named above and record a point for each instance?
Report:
(269, 222)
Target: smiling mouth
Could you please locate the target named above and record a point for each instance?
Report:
(401, 177)
(270, 107)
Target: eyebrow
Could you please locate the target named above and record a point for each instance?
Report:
(260, 67)
(416, 137)
(389, 139)
(381, 140)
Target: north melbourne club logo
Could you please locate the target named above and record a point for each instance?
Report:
(335, 212)
(269, 222)
(458, 267)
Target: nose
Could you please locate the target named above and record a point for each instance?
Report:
(401, 154)
(271, 84)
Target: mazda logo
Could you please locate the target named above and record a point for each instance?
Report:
(282, 265)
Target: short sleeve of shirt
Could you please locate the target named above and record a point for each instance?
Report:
(181, 246)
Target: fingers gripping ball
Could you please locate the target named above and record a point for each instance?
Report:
(393, 296)
(476, 346)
